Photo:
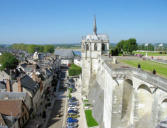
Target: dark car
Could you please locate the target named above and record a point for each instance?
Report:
(72, 111)
(71, 120)
(73, 103)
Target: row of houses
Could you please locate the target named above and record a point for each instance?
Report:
(24, 90)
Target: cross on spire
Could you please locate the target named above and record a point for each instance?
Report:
(95, 28)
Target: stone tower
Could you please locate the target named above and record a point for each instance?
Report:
(93, 47)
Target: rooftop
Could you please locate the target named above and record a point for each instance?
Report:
(95, 37)
(65, 53)
(10, 107)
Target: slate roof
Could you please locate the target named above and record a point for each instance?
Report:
(28, 67)
(28, 83)
(65, 53)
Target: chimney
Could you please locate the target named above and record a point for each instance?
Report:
(19, 85)
(8, 85)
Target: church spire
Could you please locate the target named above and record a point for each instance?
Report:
(95, 28)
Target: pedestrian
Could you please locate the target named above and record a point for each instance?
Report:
(154, 71)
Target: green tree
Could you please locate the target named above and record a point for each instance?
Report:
(49, 48)
(132, 45)
(31, 48)
(119, 46)
(8, 61)
(127, 46)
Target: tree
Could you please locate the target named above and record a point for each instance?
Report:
(31, 48)
(127, 46)
(8, 61)
(150, 47)
(132, 45)
(49, 48)
(119, 46)
(114, 52)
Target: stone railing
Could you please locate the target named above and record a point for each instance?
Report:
(138, 73)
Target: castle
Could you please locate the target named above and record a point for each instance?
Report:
(122, 97)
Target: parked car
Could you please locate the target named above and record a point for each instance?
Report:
(71, 120)
(73, 116)
(71, 127)
(73, 107)
(72, 111)
(73, 124)
(73, 98)
(74, 103)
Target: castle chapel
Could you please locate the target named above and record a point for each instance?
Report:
(93, 47)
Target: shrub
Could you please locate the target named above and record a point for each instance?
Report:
(70, 90)
(69, 95)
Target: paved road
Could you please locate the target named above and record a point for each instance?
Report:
(56, 119)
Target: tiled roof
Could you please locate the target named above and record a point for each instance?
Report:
(11, 107)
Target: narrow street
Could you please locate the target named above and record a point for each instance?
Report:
(57, 115)
(56, 119)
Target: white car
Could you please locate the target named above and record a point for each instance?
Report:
(72, 125)
(75, 109)
(71, 105)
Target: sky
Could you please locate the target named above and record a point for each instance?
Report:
(66, 21)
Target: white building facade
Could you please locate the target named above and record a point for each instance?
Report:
(93, 46)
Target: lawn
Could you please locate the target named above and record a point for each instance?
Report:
(74, 70)
(147, 65)
(91, 122)
(151, 53)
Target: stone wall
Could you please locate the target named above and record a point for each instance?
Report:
(127, 97)
(96, 98)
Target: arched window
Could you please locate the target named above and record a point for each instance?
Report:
(87, 47)
(103, 47)
(95, 47)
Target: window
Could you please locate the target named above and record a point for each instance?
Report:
(87, 47)
(103, 47)
(95, 47)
